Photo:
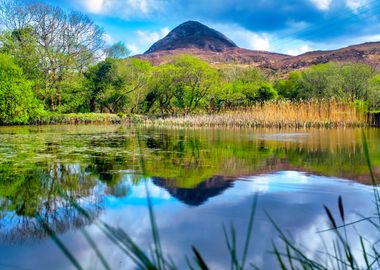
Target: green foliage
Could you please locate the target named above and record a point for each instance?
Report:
(105, 83)
(180, 86)
(374, 93)
(194, 79)
(290, 88)
(117, 51)
(17, 102)
(344, 82)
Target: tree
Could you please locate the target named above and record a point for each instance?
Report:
(194, 79)
(17, 102)
(355, 80)
(292, 87)
(136, 73)
(162, 87)
(374, 93)
(67, 43)
(105, 86)
(265, 92)
(117, 51)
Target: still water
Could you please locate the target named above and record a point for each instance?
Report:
(198, 180)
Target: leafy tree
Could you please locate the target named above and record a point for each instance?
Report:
(355, 80)
(291, 88)
(136, 74)
(117, 51)
(22, 45)
(67, 42)
(104, 83)
(162, 86)
(265, 92)
(17, 102)
(374, 93)
(194, 79)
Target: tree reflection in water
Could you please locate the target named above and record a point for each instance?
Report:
(50, 194)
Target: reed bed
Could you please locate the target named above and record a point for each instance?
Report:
(278, 114)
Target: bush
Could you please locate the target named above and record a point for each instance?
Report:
(17, 102)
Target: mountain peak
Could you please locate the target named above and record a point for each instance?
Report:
(193, 34)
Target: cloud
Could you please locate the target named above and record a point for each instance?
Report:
(322, 4)
(244, 38)
(134, 49)
(144, 39)
(356, 5)
(147, 37)
(303, 49)
(121, 8)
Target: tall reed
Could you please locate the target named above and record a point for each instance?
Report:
(275, 114)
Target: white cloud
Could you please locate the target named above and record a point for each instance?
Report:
(300, 50)
(355, 5)
(134, 49)
(121, 8)
(258, 42)
(245, 38)
(147, 37)
(322, 4)
(93, 6)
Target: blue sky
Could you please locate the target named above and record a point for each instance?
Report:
(292, 27)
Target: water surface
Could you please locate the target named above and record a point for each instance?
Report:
(198, 181)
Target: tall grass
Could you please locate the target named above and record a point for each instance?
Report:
(275, 114)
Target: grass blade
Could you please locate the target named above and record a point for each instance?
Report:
(201, 263)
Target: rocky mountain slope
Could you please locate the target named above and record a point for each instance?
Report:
(199, 40)
(193, 35)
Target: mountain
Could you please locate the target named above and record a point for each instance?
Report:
(192, 35)
(212, 46)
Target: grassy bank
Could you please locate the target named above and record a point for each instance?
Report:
(279, 114)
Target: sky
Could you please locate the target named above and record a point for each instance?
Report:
(283, 26)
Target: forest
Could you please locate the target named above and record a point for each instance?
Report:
(54, 62)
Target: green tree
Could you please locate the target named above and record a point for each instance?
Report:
(117, 51)
(105, 84)
(193, 80)
(355, 80)
(136, 74)
(67, 43)
(374, 93)
(161, 89)
(265, 92)
(292, 87)
(17, 102)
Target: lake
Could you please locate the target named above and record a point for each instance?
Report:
(198, 180)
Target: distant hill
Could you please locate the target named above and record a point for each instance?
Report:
(199, 40)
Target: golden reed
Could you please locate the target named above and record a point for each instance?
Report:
(275, 114)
